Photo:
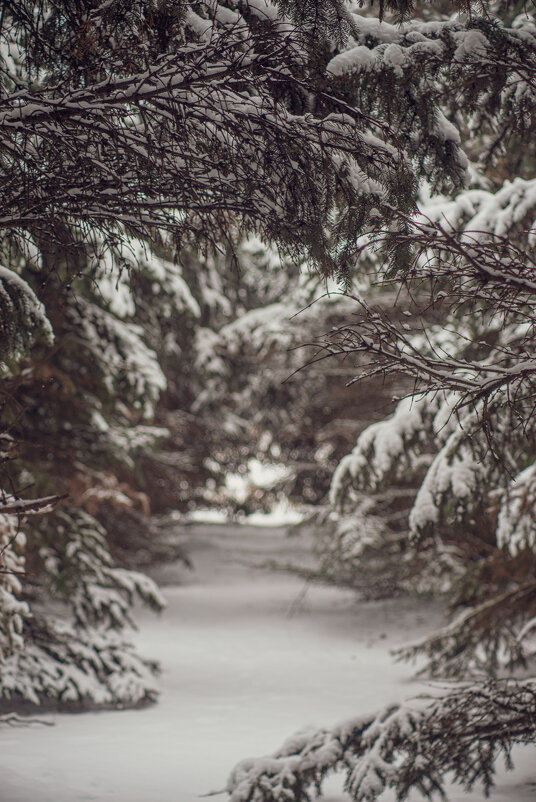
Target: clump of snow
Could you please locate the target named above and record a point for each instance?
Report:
(122, 355)
(114, 286)
(282, 513)
(168, 276)
(483, 214)
(20, 301)
(208, 516)
(239, 487)
(262, 475)
(386, 449)
(454, 475)
(78, 665)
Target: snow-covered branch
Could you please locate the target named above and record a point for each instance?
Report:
(405, 747)
(195, 140)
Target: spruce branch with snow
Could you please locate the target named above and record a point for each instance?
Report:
(198, 121)
(86, 663)
(410, 746)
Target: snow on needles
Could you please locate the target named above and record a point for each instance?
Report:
(385, 450)
(19, 298)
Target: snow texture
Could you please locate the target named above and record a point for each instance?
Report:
(247, 657)
(12, 563)
(455, 474)
(482, 214)
(126, 362)
(22, 315)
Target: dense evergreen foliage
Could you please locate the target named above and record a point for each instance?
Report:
(132, 162)
(168, 169)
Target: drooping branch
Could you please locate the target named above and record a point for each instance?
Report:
(405, 747)
(202, 140)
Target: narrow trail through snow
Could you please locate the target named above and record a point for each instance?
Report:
(248, 657)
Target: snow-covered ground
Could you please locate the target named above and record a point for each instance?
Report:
(249, 656)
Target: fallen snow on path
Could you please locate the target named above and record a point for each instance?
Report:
(248, 657)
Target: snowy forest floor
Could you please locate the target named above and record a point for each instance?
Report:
(248, 657)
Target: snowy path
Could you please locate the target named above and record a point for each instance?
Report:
(248, 658)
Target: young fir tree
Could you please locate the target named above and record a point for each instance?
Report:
(78, 410)
(462, 443)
